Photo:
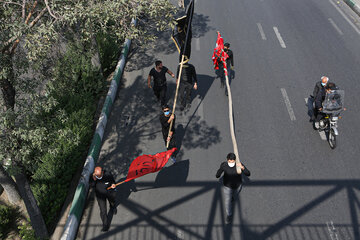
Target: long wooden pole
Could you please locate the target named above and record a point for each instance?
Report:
(176, 94)
(231, 119)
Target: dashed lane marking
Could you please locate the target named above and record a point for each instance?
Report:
(335, 26)
(262, 33)
(288, 104)
(281, 41)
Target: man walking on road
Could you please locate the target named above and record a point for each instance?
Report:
(232, 183)
(101, 180)
(229, 65)
(160, 87)
(188, 81)
(165, 119)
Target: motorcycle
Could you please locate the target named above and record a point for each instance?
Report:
(332, 107)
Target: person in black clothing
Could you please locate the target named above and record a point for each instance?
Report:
(188, 81)
(229, 65)
(101, 180)
(320, 97)
(165, 119)
(158, 73)
(320, 85)
(232, 182)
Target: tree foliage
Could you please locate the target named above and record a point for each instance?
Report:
(49, 85)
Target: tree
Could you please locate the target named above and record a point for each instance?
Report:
(33, 34)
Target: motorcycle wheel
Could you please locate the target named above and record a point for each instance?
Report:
(332, 139)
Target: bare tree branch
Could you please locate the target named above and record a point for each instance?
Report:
(23, 9)
(9, 2)
(31, 12)
(49, 10)
(30, 25)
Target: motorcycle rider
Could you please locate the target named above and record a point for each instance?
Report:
(319, 86)
(320, 97)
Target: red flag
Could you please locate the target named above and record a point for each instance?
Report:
(219, 54)
(145, 164)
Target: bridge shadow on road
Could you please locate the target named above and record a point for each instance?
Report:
(152, 224)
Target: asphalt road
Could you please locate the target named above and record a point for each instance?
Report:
(299, 188)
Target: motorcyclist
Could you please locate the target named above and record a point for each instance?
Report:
(320, 97)
(318, 86)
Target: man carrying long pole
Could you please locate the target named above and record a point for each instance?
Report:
(219, 57)
(182, 38)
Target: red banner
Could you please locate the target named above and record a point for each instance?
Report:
(219, 54)
(145, 164)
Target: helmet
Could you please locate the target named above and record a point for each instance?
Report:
(324, 80)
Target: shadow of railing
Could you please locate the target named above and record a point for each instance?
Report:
(158, 226)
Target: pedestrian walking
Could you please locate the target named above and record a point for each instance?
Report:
(188, 81)
(158, 73)
(165, 119)
(232, 183)
(101, 180)
(229, 65)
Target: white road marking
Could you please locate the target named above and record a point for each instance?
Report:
(261, 31)
(288, 104)
(335, 26)
(321, 133)
(197, 44)
(281, 41)
(345, 17)
(332, 230)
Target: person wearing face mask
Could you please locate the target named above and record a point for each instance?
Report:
(100, 181)
(232, 183)
(159, 75)
(165, 119)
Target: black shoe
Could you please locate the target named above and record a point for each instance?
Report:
(228, 219)
(105, 228)
(226, 93)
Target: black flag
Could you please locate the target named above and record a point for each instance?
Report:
(182, 33)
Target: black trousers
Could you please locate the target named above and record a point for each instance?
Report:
(172, 143)
(185, 93)
(160, 93)
(103, 209)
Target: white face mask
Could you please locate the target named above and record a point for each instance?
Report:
(231, 164)
(99, 178)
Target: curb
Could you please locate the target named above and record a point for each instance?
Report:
(78, 203)
(353, 6)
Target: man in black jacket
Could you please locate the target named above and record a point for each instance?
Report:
(320, 97)
(320, 85)
(165, 119)
(188, 81)
(101, 180)
(232, 182)
(159, 76)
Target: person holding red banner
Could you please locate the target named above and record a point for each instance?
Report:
(101, 180)
(220, 58)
